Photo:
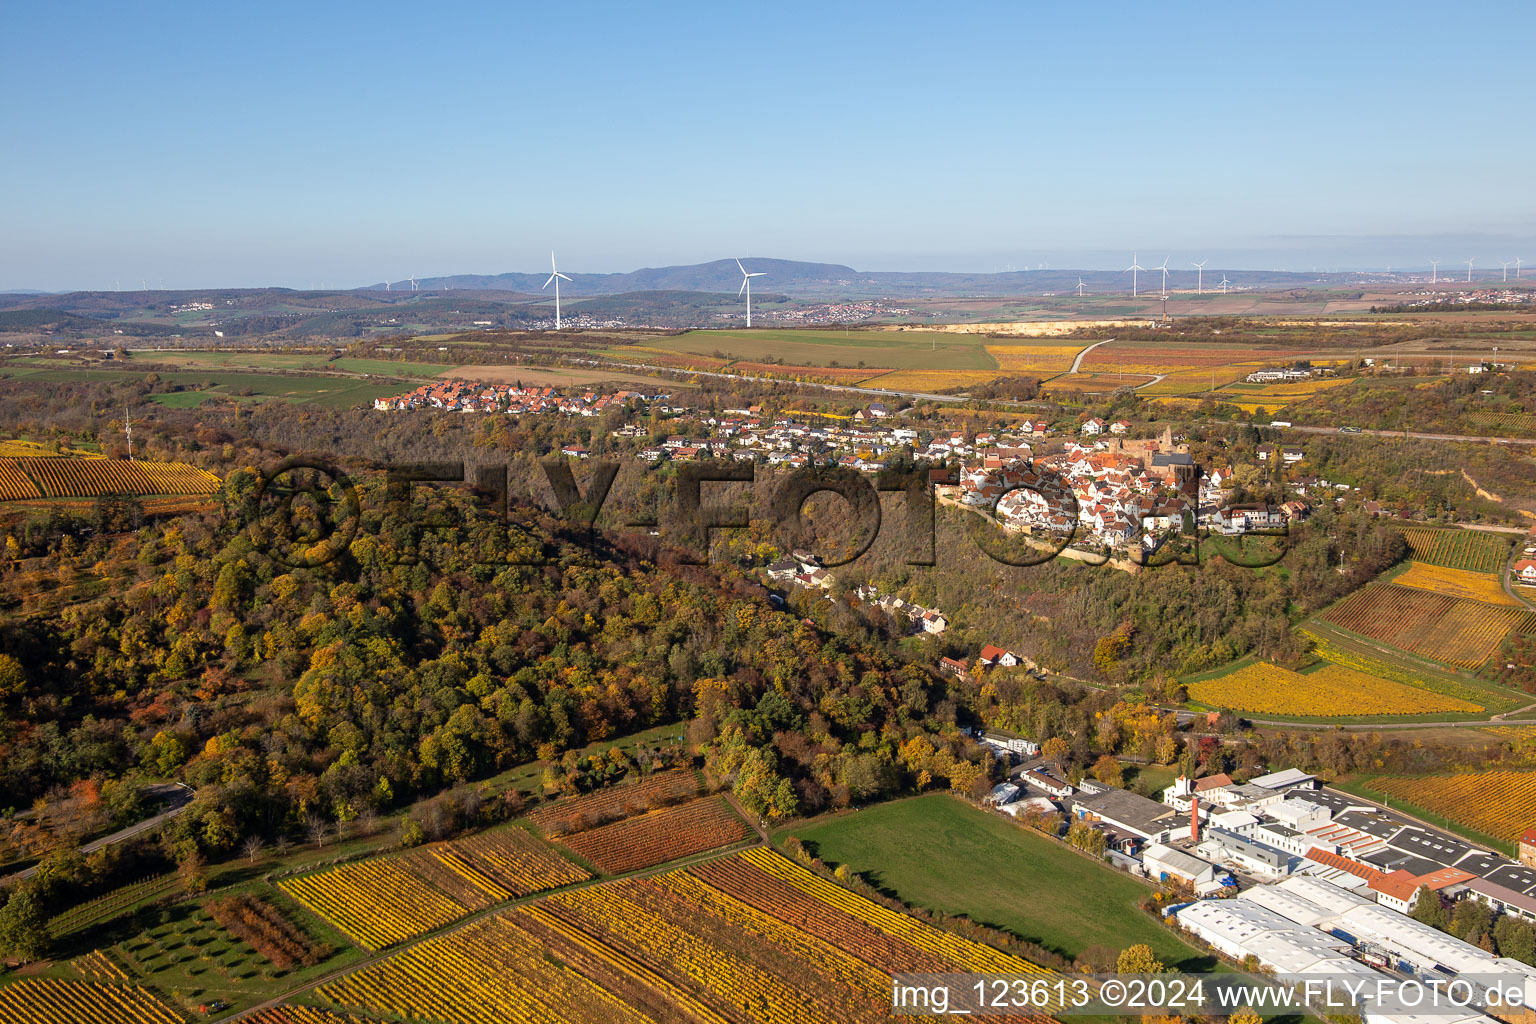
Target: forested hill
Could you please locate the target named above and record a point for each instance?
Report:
(416, 661)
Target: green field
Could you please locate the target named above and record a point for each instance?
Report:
(898, 350)
(936, 852)
(335, 392)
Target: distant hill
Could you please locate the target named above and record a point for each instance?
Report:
(44, 320)
(833, 281)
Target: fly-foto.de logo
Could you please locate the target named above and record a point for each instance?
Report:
(304, 512)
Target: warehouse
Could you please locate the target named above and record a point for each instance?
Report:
(1164, 863)
(1240, 928)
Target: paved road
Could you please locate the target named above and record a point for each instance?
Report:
(179, 798)
(1078, 362)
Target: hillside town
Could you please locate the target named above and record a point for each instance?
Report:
(1110, 491)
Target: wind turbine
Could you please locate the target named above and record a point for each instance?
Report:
(1469, 271)
(557, 277)
(1434, 276)
(1200, 276)
(1517, 268)
(1505, 265)
(1132, 269)
(1079, 287)
(1224, 283)
(413, 282)
(746, 286)
(1164, 269)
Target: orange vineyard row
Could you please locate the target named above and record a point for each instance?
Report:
(660, 836)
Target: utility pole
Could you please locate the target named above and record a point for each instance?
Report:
(128, 429)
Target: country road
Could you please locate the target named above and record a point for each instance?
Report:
(1078, 362)
(178, 795)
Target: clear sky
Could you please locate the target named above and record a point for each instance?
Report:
(333, 143)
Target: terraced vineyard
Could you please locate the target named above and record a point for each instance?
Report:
(660, 836)
(386, 900)
(1500, 804)
(749, 938)
(1331, 691)
(1449, 629)
(1474, 550)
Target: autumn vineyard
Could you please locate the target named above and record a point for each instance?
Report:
(65, 477)
(387, 900)
(1501, 804)
(753, 936)
(1450, 629)
(660, 836)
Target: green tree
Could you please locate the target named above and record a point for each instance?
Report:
(1429, 909)
(1516, 939)
(24, 926)
(1471, 920)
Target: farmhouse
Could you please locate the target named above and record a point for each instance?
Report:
(1525, 571)
(993, 657)
(954, 667)
(1181, 794)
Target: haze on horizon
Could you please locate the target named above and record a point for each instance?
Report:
(192, 146)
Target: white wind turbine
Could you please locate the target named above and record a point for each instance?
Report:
(1505, 265)
(1517, 268)
(1164, 269)
(1469, 271)
(556, 277)
(1224, 283)
(1434, 273)
(1079, 287)
(746, 286)
(1132, 269)
(1199, 276)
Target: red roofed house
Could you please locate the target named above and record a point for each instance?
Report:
(954, 667)
(1396, 890)
(1528, 848)
(993, 656)
(1525, 571)
(1400, 888)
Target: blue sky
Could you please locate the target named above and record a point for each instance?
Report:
(340, 144)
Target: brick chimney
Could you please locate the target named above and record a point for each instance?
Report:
(1194, 819)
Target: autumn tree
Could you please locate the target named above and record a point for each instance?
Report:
(1138, 959)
